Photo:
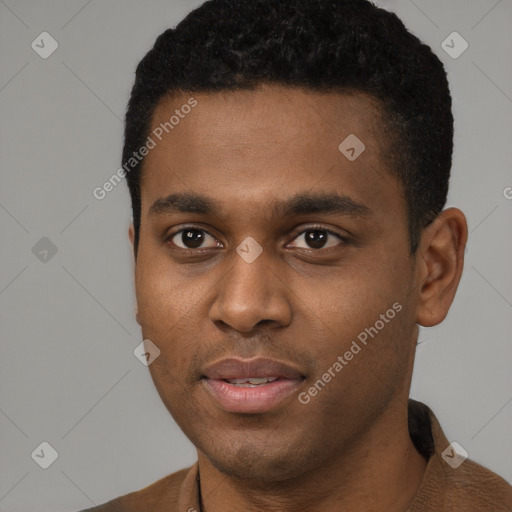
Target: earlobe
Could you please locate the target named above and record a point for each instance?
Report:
(440, 263)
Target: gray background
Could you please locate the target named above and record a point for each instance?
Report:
(68, 373)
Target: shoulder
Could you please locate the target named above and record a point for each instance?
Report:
(472, 485)
(450, 483)
(150, 498)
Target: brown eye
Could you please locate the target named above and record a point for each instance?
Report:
(316, 239)
(193, 238)
(319, 238)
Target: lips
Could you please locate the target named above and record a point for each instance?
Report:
(250, 386)
(257, 368)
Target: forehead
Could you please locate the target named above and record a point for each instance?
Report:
(252, 146)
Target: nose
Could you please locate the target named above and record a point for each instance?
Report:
(251, 294)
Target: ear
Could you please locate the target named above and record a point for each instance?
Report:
(131, 236)
(131, 233)
(440, 260)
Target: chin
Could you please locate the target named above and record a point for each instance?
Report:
(258, 462)
(260, 471)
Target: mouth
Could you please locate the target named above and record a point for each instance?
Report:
(250, 382)
(253, 386)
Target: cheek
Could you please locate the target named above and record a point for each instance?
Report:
(171, 314)
(365, 305)
(351, 299)
(161, 300)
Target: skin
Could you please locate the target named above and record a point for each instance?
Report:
(349, 447)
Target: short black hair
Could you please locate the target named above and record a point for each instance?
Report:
(320, 45)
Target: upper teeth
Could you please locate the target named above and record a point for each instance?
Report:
(252, 380)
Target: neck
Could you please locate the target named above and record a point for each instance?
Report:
(381, 470)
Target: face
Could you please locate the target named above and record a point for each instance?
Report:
(265, 249)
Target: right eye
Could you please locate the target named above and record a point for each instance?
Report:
(191, 238)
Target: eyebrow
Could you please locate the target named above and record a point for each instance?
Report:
(299, 204)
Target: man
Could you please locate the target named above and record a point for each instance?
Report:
(288, 163)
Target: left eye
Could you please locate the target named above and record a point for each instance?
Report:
(192, 238)
(319, 238)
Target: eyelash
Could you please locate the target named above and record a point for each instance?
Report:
(344, 240)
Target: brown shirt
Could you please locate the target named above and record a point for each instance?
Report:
(468, 487)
